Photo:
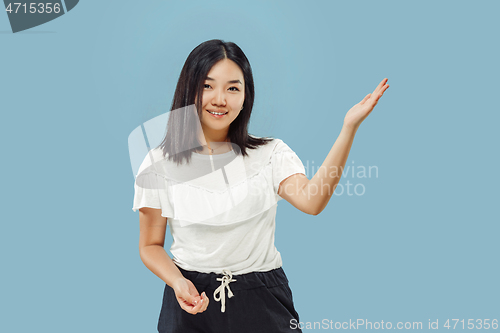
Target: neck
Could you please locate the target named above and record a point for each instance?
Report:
(211, 135)
(214, 142)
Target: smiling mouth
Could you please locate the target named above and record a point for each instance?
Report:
(217, 113)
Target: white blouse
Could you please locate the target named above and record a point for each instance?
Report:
(221, 208)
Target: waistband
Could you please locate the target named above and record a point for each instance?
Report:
(233, 283)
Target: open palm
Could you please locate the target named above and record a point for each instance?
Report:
(360, 111)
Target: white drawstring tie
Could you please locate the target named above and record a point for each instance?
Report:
(226, 279)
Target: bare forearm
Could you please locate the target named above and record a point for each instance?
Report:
(157, 261)
(321, 187)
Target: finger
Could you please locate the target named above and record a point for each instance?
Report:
(380, 85)
(365, 99)
(202, 304)
(189, 308)
(189, 303)
(193, 294)
(192, 299)
(195, 308)
(205, 301)
(384, 88)
(381, 92)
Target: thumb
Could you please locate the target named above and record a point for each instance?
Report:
(365, 99)
(187, 297)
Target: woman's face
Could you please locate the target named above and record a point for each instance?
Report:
(223, 92)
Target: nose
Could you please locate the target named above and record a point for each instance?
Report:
(219, 98)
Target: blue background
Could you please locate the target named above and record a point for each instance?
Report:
(421, 243)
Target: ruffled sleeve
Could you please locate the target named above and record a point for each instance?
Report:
(285, 163)
(146, 191)
(151, 188)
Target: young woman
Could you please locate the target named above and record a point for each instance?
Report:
(217, 186)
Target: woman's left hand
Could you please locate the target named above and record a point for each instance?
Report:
(360, 111)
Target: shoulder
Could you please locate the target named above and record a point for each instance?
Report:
(151, 160)
(272, 143)
(275, 146)
(261, 145)
(279, 146)
(275, 151)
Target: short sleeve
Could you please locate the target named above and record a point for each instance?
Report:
(151, 189)
(146, 191)
(285, 163)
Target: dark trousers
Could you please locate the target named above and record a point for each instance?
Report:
(262, 302)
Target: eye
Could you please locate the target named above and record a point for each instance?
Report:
(234, 88)
(207, 85)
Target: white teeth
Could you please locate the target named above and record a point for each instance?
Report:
(217, 113)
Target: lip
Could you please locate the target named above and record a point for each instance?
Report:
(217, 111)
(216, 116)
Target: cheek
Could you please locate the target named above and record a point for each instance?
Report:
(206, 97)
(237, 102)
(204, 101)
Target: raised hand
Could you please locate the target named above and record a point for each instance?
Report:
(188, 297)
(360, 111)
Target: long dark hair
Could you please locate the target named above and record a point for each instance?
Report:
(181, 125)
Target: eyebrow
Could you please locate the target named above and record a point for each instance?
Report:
(232, 81)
